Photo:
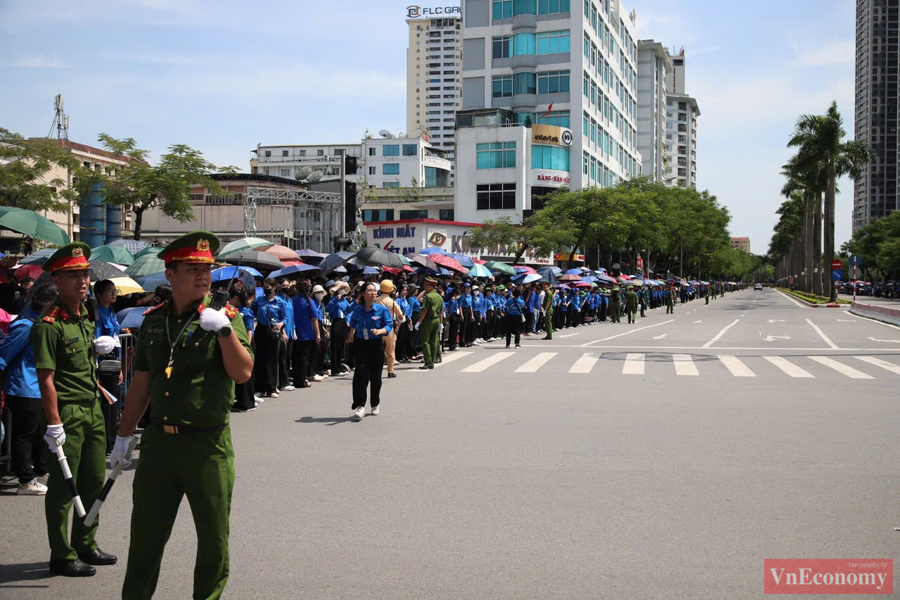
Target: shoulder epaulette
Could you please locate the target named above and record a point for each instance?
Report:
(230, 311)
(157, 307)
(51, 316)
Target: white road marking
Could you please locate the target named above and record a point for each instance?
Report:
(659, 337)
(846, 320)
(629, 332)
(634, 365)
(700, 321)
(880, 363)
(776, 320)
(791, 299)
(888, 341)
(788, 367)
(840, 367)
(720, 334)
(772, 338)
(487, 362)
(536, 363)
(822, 335)
(737, 368)
(684, 365)
(449, 357)
(568, 335)
(584, 364)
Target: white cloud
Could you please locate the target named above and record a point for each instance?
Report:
(826, 55)
(40, 62)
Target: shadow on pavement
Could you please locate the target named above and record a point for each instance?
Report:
(329, 421)
(24, 572)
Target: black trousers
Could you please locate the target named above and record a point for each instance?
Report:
(338, 339)
(284, 372)
(467, 328)
(304, 360)
(369, 358)
(455, 321)
(513, 326)
(268, 359)
(27, 451)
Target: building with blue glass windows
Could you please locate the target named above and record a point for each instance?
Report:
(549, 100)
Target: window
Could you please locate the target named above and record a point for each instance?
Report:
(268, 153)
(524, 83)
(391, 184)
(284, 152)
(496, 155)
(523, 44)
(495, 196)
(524, 7)
(436, 177)
(560, 118)
(410, 150)
(549, 7)
(372, 170)
(284, 172)
(555, 158)
(377, 214)
(413, 214)
(301, 153)
(501, 47)
(372, 151)
(446, 214)
(553, 42)
(554, 82)
(502, 86)
(503, 9)
(390, 169)
(390, 150)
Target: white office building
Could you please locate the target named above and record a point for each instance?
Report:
(432, 75)
(654, 70)
(682, 111)
(522, 56)
(403, 163)
(288, 159)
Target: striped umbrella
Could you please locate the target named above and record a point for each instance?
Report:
(39, 257)
(133, 246)
(247, 243)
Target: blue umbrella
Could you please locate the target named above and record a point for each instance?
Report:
(295, 270)
(370, 271)
(463, 260)
(428, 251)
(150, 282)
(131, 318)
(39, 257)
(245, 274)
(573, 272)
(548, 275)
(441, 272)
(527, 278)
(260, 293)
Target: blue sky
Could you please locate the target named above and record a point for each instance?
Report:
(222, 76)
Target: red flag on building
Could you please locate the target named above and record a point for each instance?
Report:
(549, 110)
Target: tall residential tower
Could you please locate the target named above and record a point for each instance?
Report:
(681, 128)
(654, 70)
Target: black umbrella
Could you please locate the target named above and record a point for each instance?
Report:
(547, 274)
(333, 261)
(375, 257)
(261, 261)
(424, 261)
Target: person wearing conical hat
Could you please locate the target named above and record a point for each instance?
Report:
(189, 356)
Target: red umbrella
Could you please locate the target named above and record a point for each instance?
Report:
(582, 284)
(33, 271)
(478, 261)
(449, 262)
(291, 263)
(523, 269)
(283, 253)
(569, 278)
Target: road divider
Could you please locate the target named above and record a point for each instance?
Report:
(884, 314)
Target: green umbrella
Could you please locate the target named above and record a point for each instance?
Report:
(479, 271)
(32, 224)
(152, 251)
(494, 265)
(112, 254)
(144, 265)
(247, 243)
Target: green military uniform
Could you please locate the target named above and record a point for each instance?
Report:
(548, 313)
(431, 324)
(615, 307)
(631, 302)
(670, 301)
(64, 343)
(187, 449)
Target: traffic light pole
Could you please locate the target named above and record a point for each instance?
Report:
(343, 218)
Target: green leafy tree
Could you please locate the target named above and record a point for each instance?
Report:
(31, 173)
(167, 185)
(503, 237)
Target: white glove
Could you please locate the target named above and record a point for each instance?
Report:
(104, 344)
(121, 453)
(55, 437)
(213, 320)
(417, 325)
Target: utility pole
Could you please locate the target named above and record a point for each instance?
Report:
(343, 218)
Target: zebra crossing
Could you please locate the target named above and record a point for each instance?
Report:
(681, 365)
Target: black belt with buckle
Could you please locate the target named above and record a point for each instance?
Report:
(174, 429)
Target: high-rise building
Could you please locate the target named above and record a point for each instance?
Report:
(545, 65)
(877, 60)
(433, 78)
(682, 111)
(741, 243)
(654, 69)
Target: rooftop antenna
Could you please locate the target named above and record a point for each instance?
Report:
(60, 120)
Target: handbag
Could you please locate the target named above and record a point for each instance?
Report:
(522, 318)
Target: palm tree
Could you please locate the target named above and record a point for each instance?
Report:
(787, 240)
(810, 186)
(823, 153)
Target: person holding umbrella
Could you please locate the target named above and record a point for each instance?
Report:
(370, 322)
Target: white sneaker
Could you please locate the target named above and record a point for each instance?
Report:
(273, 394)
(287, 388)
(32, 488)
(358, 413)
(376, 410)
(477, 343)
(318, 378)
(259, 399)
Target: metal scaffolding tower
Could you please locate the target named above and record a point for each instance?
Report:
(315, 217)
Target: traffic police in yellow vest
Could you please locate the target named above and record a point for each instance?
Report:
(64, 354)
(188, 359)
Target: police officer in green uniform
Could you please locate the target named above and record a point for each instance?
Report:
(64, 355)
(430, 323)
(188, 359)
(631, 303)
(547, 307)
(670, 300)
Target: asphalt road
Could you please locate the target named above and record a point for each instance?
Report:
(665, 459)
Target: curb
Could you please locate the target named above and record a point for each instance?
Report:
(890, 316)
(809, 304)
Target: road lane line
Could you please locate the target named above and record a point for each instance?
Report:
(737, 368)
(840, 367)
(791, 299)
(684, 365)
(823, 336)
(449, 357)
(584, 364)
(634, 365)
(720, 334)
(536, 363)
(568, 335)
(612, 337)
(788, 367)
(487, 362)
(880, 363)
